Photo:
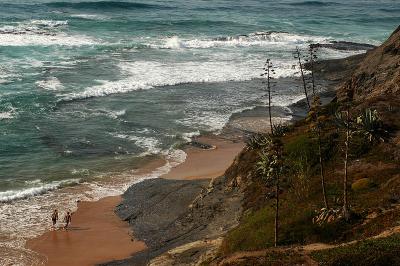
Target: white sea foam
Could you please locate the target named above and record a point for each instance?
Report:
(278, 39)
(174, 43)
(9, 113)
(114, 114)
(45, 40)
(90, 16)
(189, 135)
(49, 23)
(40, 32)
(10, 195)
(25, 218)
(32, 27)
(6, 115)
(51, 83)
(141, 75)
(149, 144)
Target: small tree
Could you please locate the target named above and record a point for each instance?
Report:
(270, 165)
(268, 72)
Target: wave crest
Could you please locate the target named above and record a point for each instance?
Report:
(268, 38)
(11, 195)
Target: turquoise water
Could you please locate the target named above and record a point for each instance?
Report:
(90, 88)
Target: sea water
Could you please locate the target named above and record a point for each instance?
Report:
(91, 90)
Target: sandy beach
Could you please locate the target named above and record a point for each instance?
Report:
(96, 235)
(96, 225)
(206, 164)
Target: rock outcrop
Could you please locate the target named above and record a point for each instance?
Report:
(168, 214)
(378, 75)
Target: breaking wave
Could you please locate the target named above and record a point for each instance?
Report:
(142, 75)
(40, 33)
(11, 195)
(282, 39)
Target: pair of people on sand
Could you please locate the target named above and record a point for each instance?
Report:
(67, 219)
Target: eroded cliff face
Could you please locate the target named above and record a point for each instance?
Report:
(378, 74)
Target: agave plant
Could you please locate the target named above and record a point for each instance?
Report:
(280, 129)
(257, 141)
(370, 125)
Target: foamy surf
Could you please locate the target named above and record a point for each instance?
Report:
(143, 75)
(41, 33)
(261, 39)
(10, 195)
(51, 83)
(8, 39)
(23, 218)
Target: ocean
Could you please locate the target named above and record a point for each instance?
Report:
(92, 90)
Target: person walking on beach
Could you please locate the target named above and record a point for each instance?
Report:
(67, 220)
(54, 218)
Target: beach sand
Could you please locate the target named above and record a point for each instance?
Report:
(206, 164)
(98, 235)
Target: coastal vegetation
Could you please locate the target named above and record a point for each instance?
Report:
(350, 144)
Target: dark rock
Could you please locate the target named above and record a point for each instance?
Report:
(344, 46)
(169, 213)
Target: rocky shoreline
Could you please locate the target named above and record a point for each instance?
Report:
(170, 213)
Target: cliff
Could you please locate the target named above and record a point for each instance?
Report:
(378, 75)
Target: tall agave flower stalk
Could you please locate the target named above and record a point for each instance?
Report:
(270, 165)
(347, 124)
(317, 122)
(268, 72)
(297, 55)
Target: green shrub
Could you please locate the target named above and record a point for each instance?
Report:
(301, 152)
(377, 252)
(254, 232)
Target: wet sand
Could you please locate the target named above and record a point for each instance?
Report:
(206, 164)
(96, 234)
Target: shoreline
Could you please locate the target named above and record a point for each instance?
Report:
(93, 221)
